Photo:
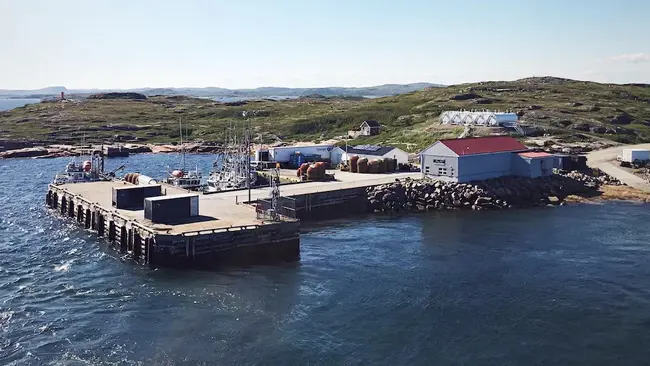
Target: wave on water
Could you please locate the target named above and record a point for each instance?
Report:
(368, 290)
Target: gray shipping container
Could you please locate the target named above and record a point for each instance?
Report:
(170, 209)
(132, 197)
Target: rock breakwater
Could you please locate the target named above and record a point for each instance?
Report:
(498, 193)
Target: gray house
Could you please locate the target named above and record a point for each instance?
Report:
(479, 158)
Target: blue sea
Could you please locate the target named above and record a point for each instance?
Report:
(567, 285)
(7, 104)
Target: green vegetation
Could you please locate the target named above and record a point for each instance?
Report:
(556, 106)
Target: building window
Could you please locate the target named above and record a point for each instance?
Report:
(442, 171)
(439, 161)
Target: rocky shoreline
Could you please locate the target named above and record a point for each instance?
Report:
(57, 151)
(498, 193)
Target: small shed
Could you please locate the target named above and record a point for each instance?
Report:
(336, 155)
(377, 152)
(370, 128)
(570, 162)
(532, 164)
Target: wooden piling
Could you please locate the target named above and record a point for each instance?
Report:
(188, 249)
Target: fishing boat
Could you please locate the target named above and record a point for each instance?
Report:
(92, 170)
(229, 173)
(231, 170)
(77, 172)
(181, 177)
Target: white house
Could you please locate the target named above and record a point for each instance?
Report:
(376, 152)
(369, 128)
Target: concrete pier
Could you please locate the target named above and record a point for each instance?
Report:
(224, 232)
(230, 228)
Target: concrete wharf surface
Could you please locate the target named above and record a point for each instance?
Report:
(226, 230)
(225, 209)
(213, 214)
(344, 180)
(605, 160)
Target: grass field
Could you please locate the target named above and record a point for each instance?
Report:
(410, 121)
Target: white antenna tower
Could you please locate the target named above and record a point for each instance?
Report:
(275, 194)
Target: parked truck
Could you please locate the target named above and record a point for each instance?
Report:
(634, 157)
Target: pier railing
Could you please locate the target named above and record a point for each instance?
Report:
(285, 209)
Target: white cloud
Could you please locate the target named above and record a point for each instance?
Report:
(633, 57)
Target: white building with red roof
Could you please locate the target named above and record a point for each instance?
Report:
(480, 158)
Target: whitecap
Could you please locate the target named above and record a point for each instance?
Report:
(65, 267)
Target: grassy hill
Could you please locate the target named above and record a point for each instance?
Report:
(566, 108)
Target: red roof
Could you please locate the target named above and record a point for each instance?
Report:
(534, 154)
(484, 145)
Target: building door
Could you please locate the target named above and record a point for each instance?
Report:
(546, 167)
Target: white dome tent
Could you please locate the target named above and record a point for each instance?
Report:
(479, 118)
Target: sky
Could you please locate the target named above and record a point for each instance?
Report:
(312, 43)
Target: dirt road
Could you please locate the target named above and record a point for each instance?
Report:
(605, 160)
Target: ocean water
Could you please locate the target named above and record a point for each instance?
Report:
(558, 286)
(7, 104)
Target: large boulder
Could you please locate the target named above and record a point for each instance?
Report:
(621, 119)
(598, 129)
(582, 127)
(465, 96)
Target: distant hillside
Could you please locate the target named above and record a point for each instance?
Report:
(568, 109)
(212, 92)
(52, 90)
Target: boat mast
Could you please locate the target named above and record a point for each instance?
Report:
(180, 127)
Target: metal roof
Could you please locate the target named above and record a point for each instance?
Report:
(371, 123)
(484, 145)
(535, 154)
(369, 150)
